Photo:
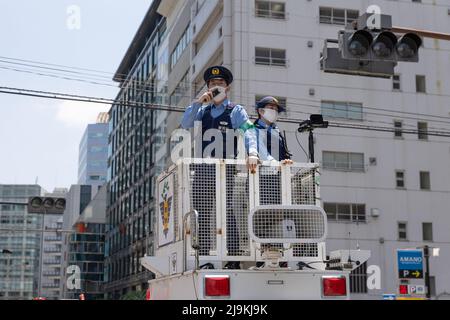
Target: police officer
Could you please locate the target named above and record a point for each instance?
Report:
(268, 109)
(272, 146)
(215, 111)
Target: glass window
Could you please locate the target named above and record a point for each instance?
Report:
(339, 16)
(398, 133)
(402, 231)
(352, 15)
(420, 84)
(262, 9)
(330, 209)
(400, 179)
(357, 161)
(278, 57)
(427, 230)
(342, 110)
(422, 128)
(341, 160)
(325, 15)
(424, 180)
(328, 159)
(343, 211)
(262, 56)
(354, 111)
(396, 82)
(278, 10)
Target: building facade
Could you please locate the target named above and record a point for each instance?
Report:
(20, 235)
(136, 137)
(86, 250)
(382, 191)
(77, 199)
(93, 153)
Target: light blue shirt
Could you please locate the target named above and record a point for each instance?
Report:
(239, 118)
(261, 135)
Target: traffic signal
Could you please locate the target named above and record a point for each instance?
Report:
(47, 205)
(370, 51)
(379, 46)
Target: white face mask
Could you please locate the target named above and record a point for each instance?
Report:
(219, 94)
(270, 115)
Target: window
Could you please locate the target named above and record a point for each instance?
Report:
(270, 57)
(402, 231)
(337, 16)
(181, 90)
(345, 212)
(420, 84)
(427, 231)
(342, 110)
(398, 132)
(422, 128)
(400, 179)
(425, 180)
(180, 47)
(344, 161)
(358, 279)
(396, 82)
(270, 9)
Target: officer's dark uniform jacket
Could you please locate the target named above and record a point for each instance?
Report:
(273, 134)
(222, 123)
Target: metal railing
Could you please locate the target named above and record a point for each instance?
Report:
(194, 239)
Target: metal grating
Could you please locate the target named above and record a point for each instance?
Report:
(202, 192)
(303, 186)
(306, 250)
(237, 208)
(269, 185)
(288, 224)
(303, 192)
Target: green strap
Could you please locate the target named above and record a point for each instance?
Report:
(247, 125)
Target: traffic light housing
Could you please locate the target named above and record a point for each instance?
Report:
(368, 51)
(46, 205)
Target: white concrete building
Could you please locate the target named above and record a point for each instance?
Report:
(382, 190)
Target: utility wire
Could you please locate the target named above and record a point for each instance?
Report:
(160, 107)
(291, 111)
(143, 84)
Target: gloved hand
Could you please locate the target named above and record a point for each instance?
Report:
(252, 163)
(287, 161)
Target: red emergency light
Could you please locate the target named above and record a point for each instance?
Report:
(217, 286)
(334, 286)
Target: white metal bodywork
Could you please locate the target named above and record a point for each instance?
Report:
(247, 284)
(278, 218)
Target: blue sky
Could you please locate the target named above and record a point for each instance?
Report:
(39, 138)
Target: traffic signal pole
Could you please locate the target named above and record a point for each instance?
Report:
(426, 253)
(423, 33)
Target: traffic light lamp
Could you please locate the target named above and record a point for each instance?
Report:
(46, 205)
(408, 47)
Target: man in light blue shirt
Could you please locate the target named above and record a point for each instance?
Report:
(221, 114)
(218, 118)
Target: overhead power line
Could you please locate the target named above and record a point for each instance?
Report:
(161, 107)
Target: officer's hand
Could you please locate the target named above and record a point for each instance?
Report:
(206, 97)
(252, 163)
(287, 161)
